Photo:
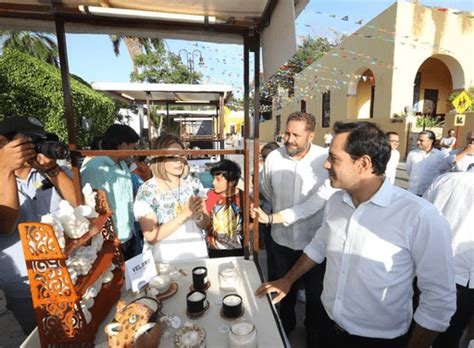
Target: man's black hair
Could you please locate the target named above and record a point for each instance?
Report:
(118, 134)
(366, 138)
(228, 169)
(429, 134)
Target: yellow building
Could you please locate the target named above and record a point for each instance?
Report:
(233, 122)
(406, 61)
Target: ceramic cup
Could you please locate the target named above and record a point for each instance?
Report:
(196, 301)
(199, 278)
(232, 306)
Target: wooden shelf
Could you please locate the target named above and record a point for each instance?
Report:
(95, 228)
(49, 279)
(109, 292)
(101, 264)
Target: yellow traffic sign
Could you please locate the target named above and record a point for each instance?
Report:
(459, 120)
(462, 102)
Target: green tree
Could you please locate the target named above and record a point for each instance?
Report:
(152, 62)
(30, 87)
(36, 44)
(161, 66)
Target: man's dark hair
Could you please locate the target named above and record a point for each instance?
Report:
(267, 148)
(228, 169)
(388, 134)
(303, 116)
(96, 143)
(118, 134)
(366, 138)
(429, 134)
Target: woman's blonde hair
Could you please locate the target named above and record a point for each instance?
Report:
(157, 165)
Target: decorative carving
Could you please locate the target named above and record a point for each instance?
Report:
(60, 318)
(51, 280)
(40, 242)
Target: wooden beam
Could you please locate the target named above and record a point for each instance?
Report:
(148, 117)
(67, 97)
(158, 152)
(246, 151)
(256, 139)
(267, 15)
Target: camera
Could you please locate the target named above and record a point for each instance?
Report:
(50, 146)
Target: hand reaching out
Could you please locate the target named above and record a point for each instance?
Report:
(263, 217)
(281, 287)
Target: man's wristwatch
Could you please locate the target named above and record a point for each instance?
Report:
(53, 171)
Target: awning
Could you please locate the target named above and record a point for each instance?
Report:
(164, 92)
(222, 21)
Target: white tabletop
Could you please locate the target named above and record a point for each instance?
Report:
(257, 310)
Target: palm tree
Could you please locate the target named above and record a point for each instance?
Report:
(37, 44)
(135, 46)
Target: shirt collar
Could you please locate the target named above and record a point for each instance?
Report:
(382, 197)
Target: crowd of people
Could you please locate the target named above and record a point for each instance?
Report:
(375, 261)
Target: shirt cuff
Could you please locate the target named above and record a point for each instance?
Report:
(313, 254)
(430, 323)
(289, 216)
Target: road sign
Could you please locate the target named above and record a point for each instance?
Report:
(459, 120)
(462, 102)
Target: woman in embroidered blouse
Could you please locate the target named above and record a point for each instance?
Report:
(169, 211)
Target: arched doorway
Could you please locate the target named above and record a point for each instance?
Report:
(435, 80)
(362, 95)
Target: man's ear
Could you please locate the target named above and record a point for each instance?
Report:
(311, 137)
(366, 163)
(3, 141)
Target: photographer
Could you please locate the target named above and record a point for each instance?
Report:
(32, 185)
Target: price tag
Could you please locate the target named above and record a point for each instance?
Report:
(139, 270)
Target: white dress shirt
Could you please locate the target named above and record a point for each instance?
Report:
(391, 170)
(423, 167)
(288, 182)
(373, 252)
(453, 195)
(465, 164)
(448, 141)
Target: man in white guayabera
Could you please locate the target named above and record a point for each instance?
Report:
(375, 238)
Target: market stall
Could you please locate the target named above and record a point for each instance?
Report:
(216, 326)
(247, 22)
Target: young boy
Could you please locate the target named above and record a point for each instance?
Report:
(224, 205)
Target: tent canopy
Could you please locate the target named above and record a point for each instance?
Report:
(165, 93)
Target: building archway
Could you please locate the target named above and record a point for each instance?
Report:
(361, 95)
(437, 77)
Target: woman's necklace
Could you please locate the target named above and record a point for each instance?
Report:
(178, 206)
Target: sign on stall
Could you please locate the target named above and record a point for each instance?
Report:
(459, 120)
(462, 102)
(139, 270)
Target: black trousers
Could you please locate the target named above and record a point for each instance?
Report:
(333, 336)
(284, 259)
(459, 321)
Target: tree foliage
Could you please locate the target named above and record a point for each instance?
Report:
(30, 87)
(310, 50)
(152, 62)
(36, 44)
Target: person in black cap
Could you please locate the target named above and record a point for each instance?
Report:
(32, 185)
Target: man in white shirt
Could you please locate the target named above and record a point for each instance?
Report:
(291, 175)
(391, 171)
(327, 139)
(426, 163)
(453, 195)
(375, 239)
(447, 143)
(464, 159)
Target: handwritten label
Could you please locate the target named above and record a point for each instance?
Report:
(139, 270)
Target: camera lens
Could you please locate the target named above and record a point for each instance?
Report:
(52, 149)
